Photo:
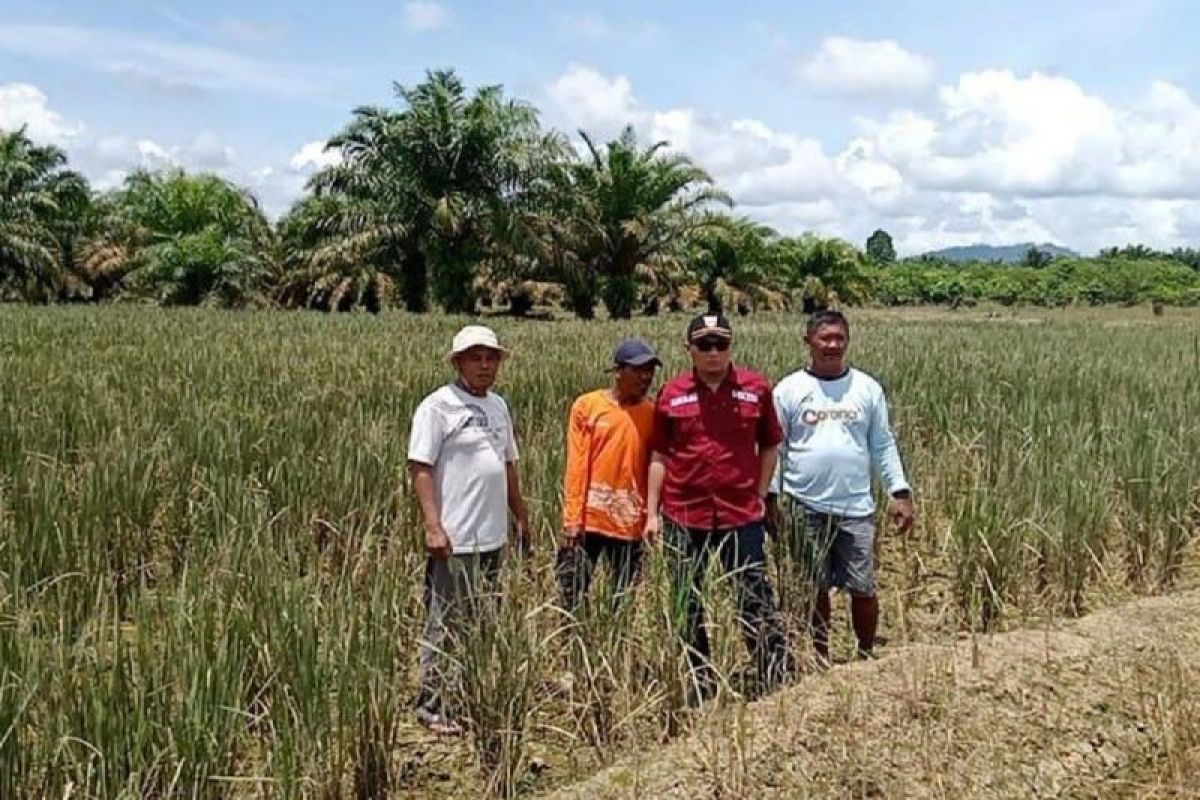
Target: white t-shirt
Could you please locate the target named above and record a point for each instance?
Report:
(468, 440)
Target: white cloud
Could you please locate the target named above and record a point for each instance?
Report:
(1035, 158)
(1044, 135)
(313, 156)
(207, 151)
(24, 105)
(159, 63)
(773, 174)
(857, 67)
(424, 15)
(1000, 158)
(584, 98)
(279, 186)
(1187, 222)
(996, 157)
(107, 160)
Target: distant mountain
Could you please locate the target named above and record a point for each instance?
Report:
(1009, 253)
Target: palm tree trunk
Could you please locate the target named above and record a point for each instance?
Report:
(454, 277)
(713, 297)
(414, 281)
(619, 292)
(581, 290)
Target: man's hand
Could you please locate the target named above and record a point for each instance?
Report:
(902, 514)
(437, 543)
(772, 518)
(523, 529)
(653, 527)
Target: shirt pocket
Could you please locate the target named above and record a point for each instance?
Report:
(749, 412)
(685, 418)
(747, 415)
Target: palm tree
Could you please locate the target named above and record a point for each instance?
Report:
(558, 230)
(642, 204)
(101, 260)
(1187, 255)
(1036, 258)
(39, 201)
(880, 248)
(183, 240)
(1133, 252)
(734, 253)
(825, 270)
(328, 269)
(368, 207)
(427, 190)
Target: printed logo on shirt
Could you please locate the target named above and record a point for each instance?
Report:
(478, 418)
(814, 416)
(744, 396)
(683, 400)
(624, 506)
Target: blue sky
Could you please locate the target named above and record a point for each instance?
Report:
(943, 122)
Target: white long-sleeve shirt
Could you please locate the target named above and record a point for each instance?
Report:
(835, 433)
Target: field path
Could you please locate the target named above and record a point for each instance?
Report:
(1106, 705)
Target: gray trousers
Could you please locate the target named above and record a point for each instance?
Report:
(836, 551)
(454, 588)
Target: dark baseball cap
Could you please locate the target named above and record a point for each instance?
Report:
(635, 353)
(709, 325)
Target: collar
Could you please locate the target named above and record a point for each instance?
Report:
(845, 372)
(731, 379)
(462, 387)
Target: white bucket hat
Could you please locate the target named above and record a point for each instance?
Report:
(475, 336)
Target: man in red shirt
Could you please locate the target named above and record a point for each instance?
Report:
(714, 447)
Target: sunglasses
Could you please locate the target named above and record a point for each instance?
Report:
(708, 345)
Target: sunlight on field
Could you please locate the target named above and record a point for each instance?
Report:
(210, 567)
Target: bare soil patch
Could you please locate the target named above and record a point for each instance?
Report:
(1104, 706)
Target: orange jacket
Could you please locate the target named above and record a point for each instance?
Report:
(608, 457)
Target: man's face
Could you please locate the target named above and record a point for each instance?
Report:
(478, 367)
(828, 343)
(711, 354)
(634, 381)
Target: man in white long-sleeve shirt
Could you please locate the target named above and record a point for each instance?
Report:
(836, 433)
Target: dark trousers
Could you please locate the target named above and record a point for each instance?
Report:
(741, 555)
(577, 566)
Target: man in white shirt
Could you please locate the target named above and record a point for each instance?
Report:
(462, 457)
(836, 432)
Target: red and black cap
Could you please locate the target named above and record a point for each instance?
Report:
(709, 325)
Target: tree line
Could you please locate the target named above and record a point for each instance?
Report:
(460, 199)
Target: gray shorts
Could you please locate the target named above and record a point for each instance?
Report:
(838, 551)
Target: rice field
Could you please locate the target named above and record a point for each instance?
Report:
(211, 566)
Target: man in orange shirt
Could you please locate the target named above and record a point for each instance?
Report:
(608, 455)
